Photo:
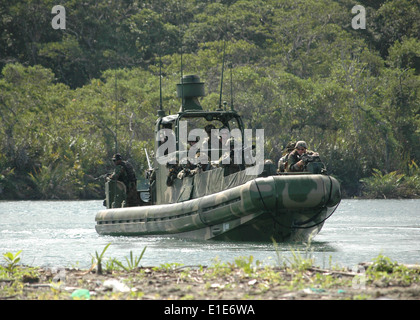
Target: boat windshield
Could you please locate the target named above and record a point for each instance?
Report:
(189, 127)
(227, 125)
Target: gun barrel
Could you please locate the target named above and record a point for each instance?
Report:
(148, 160)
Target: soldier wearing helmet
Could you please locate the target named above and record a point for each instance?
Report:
(282, 165)
(124, 172)
(295, 161)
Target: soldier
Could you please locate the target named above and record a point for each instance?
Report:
(192, 143)
(295, 161)
(173, 170)
(206, 146)
(283, 162)
(124, 172)
(227, 160)
(224, 136)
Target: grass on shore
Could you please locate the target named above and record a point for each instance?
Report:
(292, 278)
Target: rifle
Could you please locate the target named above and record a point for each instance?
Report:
(313, 157)
(317, 167)
(102, 176)
(307, 158)
(148, 160)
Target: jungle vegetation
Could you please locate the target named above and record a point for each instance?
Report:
(69, 98)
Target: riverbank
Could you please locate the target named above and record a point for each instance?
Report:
(242, 280)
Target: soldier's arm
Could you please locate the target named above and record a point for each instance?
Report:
(297, 166)
(294, 164)
(117, 173)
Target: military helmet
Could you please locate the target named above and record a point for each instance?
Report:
(290, 146)
(301, 144)
(230, 142)
(116, 157)
(209, 127)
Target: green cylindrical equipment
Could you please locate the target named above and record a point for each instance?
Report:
(189, 90)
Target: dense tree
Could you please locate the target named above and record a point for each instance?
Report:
(71, 98)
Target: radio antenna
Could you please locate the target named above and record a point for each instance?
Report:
(221, 80)
(182, 83)
(160, 83)
(116, 112)
(231, 88)
(161, 112)
(182, 72)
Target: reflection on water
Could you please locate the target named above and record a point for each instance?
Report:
(62, 233)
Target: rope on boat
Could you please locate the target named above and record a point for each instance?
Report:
(300, 224)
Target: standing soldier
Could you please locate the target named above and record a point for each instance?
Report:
(124, 172)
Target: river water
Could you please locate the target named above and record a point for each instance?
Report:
(62, 234)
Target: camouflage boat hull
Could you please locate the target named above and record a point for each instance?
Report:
(287, 207)
(213, 198)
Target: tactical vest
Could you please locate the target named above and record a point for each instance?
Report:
(131, 176)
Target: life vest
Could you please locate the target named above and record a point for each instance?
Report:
(131, 176)
(283, 163)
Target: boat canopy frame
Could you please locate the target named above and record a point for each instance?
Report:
(173, 122)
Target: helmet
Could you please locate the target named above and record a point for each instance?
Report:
(301, 144)
(209, 127)
(116, 157)
(230, 142)
(290, 146)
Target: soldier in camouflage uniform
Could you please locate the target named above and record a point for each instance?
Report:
(227, 160)
(283, 163)
(295, 161)
(124, 172)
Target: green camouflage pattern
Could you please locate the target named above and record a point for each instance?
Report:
(218, 204)
(282, 207)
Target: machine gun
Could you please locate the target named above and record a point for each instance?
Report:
(104, 176)
(306, 158)
(148, 160)
(149, 171)
(313, 163)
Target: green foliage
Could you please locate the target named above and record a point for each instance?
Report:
(167, 266)
(301, 260)
(98, 259)
(386, 272)
(246, 264)
(7, 181)
(382, 185)
(132, 263)
(393, 185)
(382, 264)
(49, 181)
(70, 98)
(394, 20)
(12, 261)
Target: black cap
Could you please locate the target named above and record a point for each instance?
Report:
(116, 156)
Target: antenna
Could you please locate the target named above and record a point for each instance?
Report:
(182, 83)
(116, 113)
(160, 83)
(231, 88)
(182, 74)
(221, 80)
(161, 113)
